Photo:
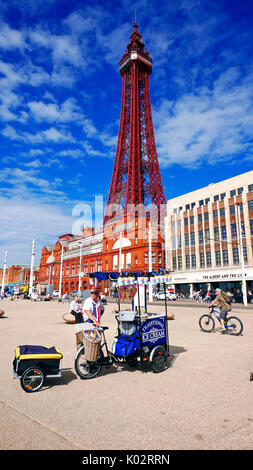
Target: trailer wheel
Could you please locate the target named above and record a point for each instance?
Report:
(32, 379)
(159, 359)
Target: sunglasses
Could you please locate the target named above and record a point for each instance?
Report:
(94, 293)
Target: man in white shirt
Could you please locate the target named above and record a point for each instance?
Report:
(76, 310)
(93, 308)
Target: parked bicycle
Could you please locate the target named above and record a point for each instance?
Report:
(233, 325)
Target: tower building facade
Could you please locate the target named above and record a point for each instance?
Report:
(136, 177)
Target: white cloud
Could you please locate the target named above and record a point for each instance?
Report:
(211, 125)
(51, 112)
(23, 220)
(49, 135)
(11, 38)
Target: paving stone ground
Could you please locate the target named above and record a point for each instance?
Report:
(202, 401)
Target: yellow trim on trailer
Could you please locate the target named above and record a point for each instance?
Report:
(21, 357)
(40, 356)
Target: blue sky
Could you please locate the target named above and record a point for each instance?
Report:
(60, 97)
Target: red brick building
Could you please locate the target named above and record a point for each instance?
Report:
(99, 251)
(18, 274)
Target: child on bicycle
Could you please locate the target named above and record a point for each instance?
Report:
(223, 302)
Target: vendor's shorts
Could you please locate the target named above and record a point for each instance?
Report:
(223, 314)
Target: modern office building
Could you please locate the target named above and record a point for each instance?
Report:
(206, 232)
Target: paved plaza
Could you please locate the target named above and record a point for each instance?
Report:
(202, 401)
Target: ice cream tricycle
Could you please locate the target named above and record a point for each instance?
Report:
(141, 338)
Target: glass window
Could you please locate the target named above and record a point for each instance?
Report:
(250, 205)
(187, 261)
(115, 261)
(174, 261)
(222, 212)
(240, 190)
(208, 259)
(186, 222)
(245, 254)
(233, 231)
(207, 200)
(251, 226)
(192, 238)
(217, 258)
(216, 198)
(180, 262)
(207, 235)
(201, 203)
(250, 188)
(199, 218)
(232, 193)
(186, 239)
(216, 234)
(222, 196)
(187, 207)
(173, 243)
(202, 260)
(192, 220)
(201, 238)
(215, 214)
(223, 232)
(179, 242)
(235, 256)
(193, 260)
(225, 257)
(232, 210)
(242, 229)
(206, 216)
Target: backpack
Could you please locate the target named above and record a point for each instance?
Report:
(226, 298)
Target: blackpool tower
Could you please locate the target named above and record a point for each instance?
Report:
(136, 177)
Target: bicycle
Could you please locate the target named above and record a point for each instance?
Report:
(233, 325)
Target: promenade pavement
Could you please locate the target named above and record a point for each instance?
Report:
(202, 401)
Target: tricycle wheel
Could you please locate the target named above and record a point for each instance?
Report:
(32, 379)
(86, 369)
(159, 360)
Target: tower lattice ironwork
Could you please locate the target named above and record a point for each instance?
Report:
(136, 177)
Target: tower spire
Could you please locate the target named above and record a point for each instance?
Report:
(136, 177)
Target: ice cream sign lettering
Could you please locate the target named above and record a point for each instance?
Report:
(153, 331)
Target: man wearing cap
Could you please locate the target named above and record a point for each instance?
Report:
(225, 307)
(93, 308)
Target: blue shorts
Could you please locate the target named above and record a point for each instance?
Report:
(223, 314)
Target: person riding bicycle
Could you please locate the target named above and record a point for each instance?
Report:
(223, 302)
(93, 308)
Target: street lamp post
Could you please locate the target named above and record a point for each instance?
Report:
(244, 288)
(60, 281)
(150, 260)
(32, 267)
(80, 261)
(120, 252)
(4, 271)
